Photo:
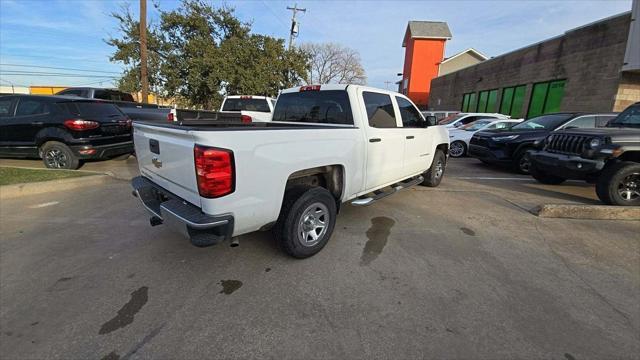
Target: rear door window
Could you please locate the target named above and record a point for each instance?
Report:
(240, 104)
(92, 109)
(322, 107)
(31, 107)
(379, 110)
(410, 115)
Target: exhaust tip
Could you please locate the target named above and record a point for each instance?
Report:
(234, 243)
(155, 221)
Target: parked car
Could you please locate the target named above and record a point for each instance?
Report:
(510, 146)
(460, 119)
(608, 157)
(459, 138)
(326, 145)
(135, 110)
(439, 114)
(258, 108)
(62, 130)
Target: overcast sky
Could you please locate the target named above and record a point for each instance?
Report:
(70, 33)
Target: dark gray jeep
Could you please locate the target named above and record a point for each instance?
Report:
(608, 157)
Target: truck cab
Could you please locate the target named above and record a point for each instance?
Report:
(258, 108)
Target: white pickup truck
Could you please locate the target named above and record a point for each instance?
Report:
(258, 108)
(326, 145)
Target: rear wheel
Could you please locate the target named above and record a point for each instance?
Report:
(434, 175)
(458, 149)
(57, 155)
(544, 177)
(619, 184)
(306, 220)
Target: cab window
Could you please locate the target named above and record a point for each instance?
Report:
(6, 107)
(581, 122)
(379, 110)
(410, 115)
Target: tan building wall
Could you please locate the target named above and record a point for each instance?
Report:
(628, 91)
(459, 62)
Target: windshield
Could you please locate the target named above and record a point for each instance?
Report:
(239, 104)
(628, 118)
(451, 118)
(544, 122)
(325, 107)
(476, 125)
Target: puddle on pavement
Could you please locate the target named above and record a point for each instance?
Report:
(127, 312)
(378, 235)
(229, 286)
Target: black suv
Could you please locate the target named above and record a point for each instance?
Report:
(608, 157)
(61, 130)
(510, 146)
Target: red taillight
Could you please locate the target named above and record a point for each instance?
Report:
(310, 88)
(246, 119)
(170, 117)
(81, 125)
(246, 97)
(214, 171)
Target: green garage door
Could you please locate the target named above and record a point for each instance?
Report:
(512, 100)
(492, 102)
(546, 98)
(465, 102)
(473, 102)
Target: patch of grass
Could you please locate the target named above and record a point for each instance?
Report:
(10, 175)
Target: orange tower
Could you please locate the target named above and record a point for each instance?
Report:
(424, 42)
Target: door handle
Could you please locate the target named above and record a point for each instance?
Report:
(375, 140)
(37, 123)
(410, 137)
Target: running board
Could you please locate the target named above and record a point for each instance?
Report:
(379, 194)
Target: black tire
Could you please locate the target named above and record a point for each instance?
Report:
(621, 177)
(57, 155)
(459, 144)
(544, 177)
(522, 162)
(297, 202)
(434, 175)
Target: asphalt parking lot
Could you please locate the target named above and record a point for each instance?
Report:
(459, 271)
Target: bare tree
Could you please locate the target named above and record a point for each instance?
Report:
(333, 63)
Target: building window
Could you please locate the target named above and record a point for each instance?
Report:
(546, 98)
(512, 101)
(488, 101)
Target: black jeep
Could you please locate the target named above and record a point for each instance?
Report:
(608, 157)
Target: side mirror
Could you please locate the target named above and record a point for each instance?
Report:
(431, 120)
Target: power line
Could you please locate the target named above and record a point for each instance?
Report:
(274, 13)
(59, 68)
(35, 73)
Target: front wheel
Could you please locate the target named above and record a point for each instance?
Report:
(522, 162)
(458, 149)
(57, 155)
(434, 175)
(619, 184)
(306, 220)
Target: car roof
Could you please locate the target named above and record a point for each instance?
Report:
(55, 98)
(324, 87)
(251, 96)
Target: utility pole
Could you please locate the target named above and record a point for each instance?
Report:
(144, 79)
(294, 23)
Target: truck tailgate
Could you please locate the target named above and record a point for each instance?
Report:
(165, 156)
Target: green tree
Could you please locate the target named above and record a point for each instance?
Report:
(204, 53)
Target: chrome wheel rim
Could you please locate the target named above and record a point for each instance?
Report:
(439, 169)
(55, 158)
(629, 187)
(457, 149)
(313, 224)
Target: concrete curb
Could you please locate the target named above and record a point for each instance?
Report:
(590, 212)
(41, 187)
